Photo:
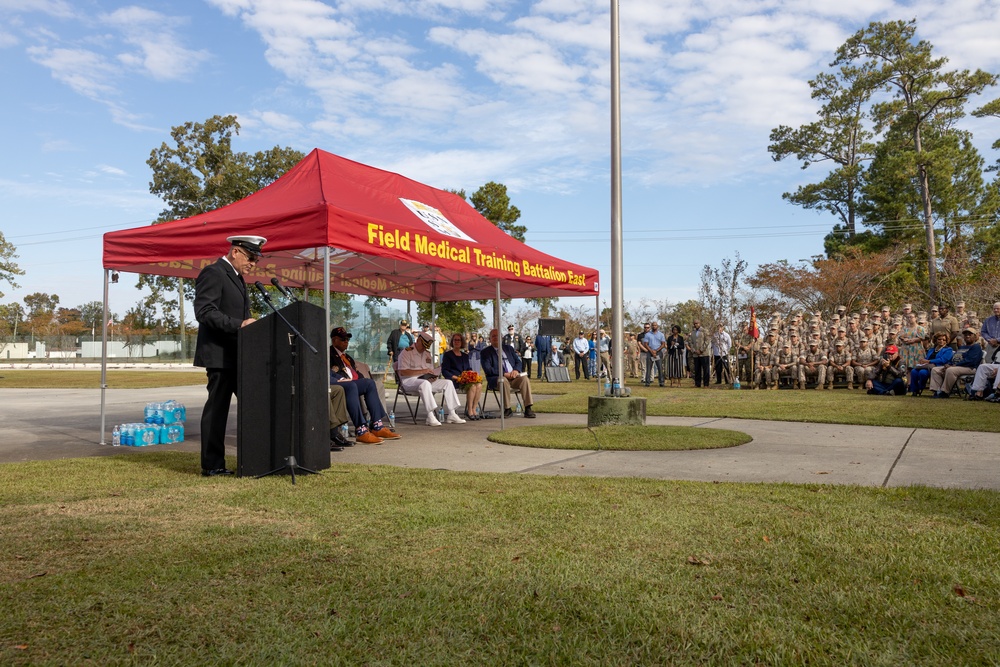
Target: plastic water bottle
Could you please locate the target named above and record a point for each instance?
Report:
(149, 414)
(616, 388)
(116, 436)
(736, 384)
(517, 409)
(441, 414)
(344, 431)
(392, 421)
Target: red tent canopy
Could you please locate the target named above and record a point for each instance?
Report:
(389, 236)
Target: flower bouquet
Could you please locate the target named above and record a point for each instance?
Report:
(468, 378)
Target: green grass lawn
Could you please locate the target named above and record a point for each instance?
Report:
(620, 438)
(137, 560)
(832, 407)
(87, 379)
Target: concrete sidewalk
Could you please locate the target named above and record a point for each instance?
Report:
(62, 423)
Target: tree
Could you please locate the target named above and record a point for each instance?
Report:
(841, 136)
(8, 269)
(453, 316)
(200, 173)
(852, 279)
(922, 94)
(719, 291)
(11, 317)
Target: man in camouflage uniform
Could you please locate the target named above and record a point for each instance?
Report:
(813, 366)
(854, 334)
(840, 365)
(631, 356)
(864, 361)
(744, 349)
(799, 349)
(764, 373)
(786, 365)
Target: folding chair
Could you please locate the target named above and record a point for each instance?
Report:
(400, 391)
(496, 395)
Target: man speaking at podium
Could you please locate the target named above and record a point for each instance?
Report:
(222, 308)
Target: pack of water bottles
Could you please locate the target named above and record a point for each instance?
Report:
(163, 423)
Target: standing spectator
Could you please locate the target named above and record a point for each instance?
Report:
(592, 355)
(631, 351)
(888, 377)
(947, 324)
(698, 346)
(655, 342)
(604, 352)
(964, 362)
(675, 356)
(744, 347)
(990, 331)
(515, 340)
(581, 355)
(399, 339)
(646, 327)
(527, 355)
(722, 342)
(543, 348)
(911, 337)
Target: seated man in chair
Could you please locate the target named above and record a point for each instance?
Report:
(419, 376)
(343, 373)
(509, 369)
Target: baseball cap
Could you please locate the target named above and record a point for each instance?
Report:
(340, 332)
(891, 349)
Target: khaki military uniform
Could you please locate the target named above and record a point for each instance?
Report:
(764, 374)
(864, 362)
(813, 368)
(786, 366)
(840, 366)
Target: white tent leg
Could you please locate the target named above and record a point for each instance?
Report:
(496, 325)
(326, 301)
(104, 358)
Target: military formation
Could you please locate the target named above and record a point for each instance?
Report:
(818, 350)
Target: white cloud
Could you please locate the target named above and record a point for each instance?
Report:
(159, 53)
(86, 72)
(111, 171)
(57, 8)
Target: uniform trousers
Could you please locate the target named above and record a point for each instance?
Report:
(221, 389)
(426, 389)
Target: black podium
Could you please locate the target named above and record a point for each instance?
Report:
(265, 400)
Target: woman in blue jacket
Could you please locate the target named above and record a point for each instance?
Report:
(939, 355)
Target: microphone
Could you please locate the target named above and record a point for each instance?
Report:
(281, 288)
(260, 288)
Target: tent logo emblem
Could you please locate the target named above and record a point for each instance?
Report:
(434, 219)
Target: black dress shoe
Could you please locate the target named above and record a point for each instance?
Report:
(337, 440)
(216, 472)
(508, 412)
(529, 413)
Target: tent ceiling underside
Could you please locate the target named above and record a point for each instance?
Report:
(365, 275)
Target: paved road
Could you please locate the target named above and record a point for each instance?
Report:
(49, 424)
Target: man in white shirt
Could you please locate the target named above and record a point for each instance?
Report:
(418, 375)
(581, 355)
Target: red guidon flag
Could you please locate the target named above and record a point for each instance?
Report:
(752, 329)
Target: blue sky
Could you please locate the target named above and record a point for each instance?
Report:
(453, 93)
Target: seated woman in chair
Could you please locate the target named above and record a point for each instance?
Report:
(453, 363)
(939, 355)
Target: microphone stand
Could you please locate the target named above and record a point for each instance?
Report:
(294, 337)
